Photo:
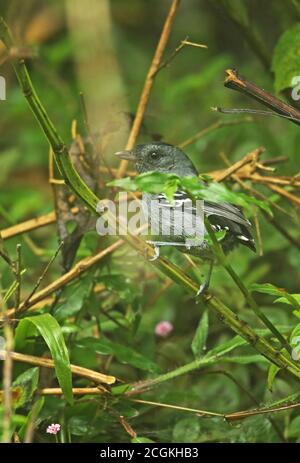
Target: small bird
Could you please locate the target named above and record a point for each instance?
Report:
(169, 159)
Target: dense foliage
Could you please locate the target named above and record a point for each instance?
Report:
(107, 315)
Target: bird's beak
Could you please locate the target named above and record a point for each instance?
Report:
(126, 154)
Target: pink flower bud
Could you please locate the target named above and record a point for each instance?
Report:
(163, 329)
(53, 428)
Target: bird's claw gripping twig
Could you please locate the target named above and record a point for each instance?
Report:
(156, 250)
(203, 288)
(156, 254)
(205, 285)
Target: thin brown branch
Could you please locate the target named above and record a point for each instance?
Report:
(76, 390)
(259, 411)
(285, 181)
(286, 194)
(94, 376)
(149, 83)
(250, 158)
(44, 273)
(216, 125)
(236, 82)
(177, 50)
(100, 390)
(28, 225)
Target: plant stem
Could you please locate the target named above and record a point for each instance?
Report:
(223, 261)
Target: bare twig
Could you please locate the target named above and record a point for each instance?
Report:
(239, 83)
(28, 225)
(81, 267)
(249, 158)
(40, 279)
(94, 376)
(286, 194)
(177, 50)
(216, 125)
(18, 276)
(149, 83)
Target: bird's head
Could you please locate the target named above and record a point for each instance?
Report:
(159, 157)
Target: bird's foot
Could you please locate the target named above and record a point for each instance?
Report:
(205, 285)
(156, 250)
(203, 288)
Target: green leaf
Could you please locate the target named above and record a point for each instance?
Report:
(127, 184)
(286, 58)
(198, 343)
(218, 192)
(268, 288)
(245, 359)
(295, 301)
(28, 383)
(9, 159)
(158, 182)
(73, 298)
(226, 347)
(51, 332)
(123, 353)
(142, 440)
(294, 427)
(272, 372)
(10, 291)
(295, 342)
(187, 430)
(125, 287)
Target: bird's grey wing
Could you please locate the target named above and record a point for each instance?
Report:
(226, 216)
(222, 216)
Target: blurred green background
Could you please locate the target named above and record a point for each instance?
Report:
(104, 49)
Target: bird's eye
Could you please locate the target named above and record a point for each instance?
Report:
(154, 155)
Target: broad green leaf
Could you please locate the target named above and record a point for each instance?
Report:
(198, 343)
(272, 372)
(123, 353)
(51, 332)
(73, 298)
(286, 58)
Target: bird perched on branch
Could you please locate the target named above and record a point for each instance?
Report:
(166, 158)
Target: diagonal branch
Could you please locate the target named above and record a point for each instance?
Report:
(144, 98)
(239, 83)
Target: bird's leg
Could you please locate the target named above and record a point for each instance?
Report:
(156, 246)
(205, 285)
